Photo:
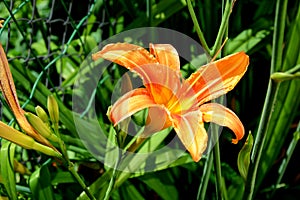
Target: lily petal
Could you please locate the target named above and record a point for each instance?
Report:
(219, 77)
(216, 113)
(190, 130)
(129, 104)
(166, 55)
(127, 55)
(162, 88)
(157, 120)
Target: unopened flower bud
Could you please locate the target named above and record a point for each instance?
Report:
(41, 127)
(53, 109)
(25, 141)
(41, 113)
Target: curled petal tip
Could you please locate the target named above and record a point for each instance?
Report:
(216, 113)
(235, 141)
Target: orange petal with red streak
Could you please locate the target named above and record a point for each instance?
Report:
(161, 81)
(219, 77)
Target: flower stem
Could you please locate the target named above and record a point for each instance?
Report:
(217, 164)
(260, 139)
(79, 180)
(205, 178)
(70, 165)
(197, 27)
(222, 29)
(270, 100)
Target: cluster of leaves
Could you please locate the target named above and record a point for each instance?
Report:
(46, 43)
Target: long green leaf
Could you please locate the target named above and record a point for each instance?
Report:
(40, 184)
(245, 41)
(162, 184)
(7, 170)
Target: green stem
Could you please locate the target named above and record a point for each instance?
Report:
(12, 14)
(205, 178)
(197, 27)
(217, 164)
(70, 165)
(278, 35)
(222, 29)
(215, 130)
(260, 139)
(80, 181)
(270, 100)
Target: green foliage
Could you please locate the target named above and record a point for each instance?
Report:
(40, 183)
(48, 41)
(7, 168)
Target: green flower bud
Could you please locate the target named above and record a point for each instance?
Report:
(243, 160)
(41, 127)
(53, 109)
(41, 113)
(25, 141)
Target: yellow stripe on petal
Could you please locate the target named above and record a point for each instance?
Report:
(190, 130)
(216, 113)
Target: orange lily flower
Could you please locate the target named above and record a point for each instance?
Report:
(8, 90)
(173, 101)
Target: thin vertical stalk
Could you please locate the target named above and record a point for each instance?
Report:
(222, 29)
(149, 12)
(280, 14)
(278, 35)
(260, 139)
(215, 132)
(197, 27)
(205, 178)
(217, 165)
